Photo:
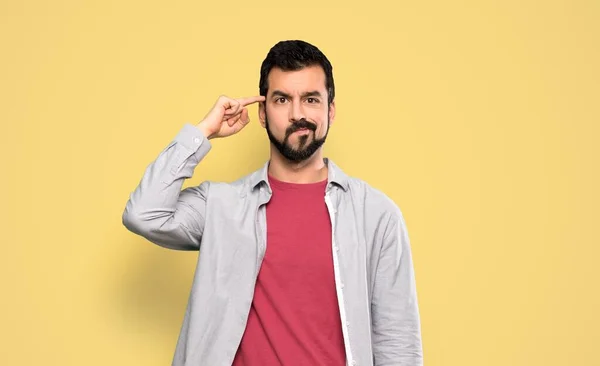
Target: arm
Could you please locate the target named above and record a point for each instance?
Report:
(394, 306)
(158, 209)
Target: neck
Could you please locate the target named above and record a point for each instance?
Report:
(311, 170)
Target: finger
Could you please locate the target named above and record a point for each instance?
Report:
(244, 117)
(233, 120)
(232, 108)
(228, 103)
(249, 100)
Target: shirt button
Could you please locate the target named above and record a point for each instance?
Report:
(347, 323)
(197, 140)
(342, 285)
(354, 363)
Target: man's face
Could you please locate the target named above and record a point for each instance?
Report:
(296, 113)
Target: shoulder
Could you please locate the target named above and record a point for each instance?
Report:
(237, 188)
(379, 210)
(373, 198)
(374, 203)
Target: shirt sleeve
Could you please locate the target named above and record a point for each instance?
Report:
(394, 306)
(158, 209)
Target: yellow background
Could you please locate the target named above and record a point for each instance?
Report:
(479, 118)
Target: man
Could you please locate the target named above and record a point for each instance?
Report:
(299, 263)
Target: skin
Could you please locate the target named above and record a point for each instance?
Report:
(293, 97)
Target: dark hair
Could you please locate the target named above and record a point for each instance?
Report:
(293, 55)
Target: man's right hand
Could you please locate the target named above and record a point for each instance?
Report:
(227, 117)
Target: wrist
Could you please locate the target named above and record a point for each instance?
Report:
(202, 127)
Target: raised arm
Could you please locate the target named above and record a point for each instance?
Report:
(158, 209)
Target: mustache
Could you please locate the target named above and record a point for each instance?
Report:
(300, 125)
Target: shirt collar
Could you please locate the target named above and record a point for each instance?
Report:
(335, 175)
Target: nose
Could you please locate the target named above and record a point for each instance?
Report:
(296, 111)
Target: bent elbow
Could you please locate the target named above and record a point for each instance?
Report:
(132, 221)
(159, 232)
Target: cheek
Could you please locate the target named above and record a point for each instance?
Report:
(276, 119)
(277, 126)
(320, 119)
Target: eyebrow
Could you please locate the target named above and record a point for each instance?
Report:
(313, 93)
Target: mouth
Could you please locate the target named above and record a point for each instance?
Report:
(301, 131)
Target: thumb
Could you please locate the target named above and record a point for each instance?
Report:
(245, 119)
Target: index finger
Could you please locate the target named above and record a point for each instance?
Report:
(249, 100)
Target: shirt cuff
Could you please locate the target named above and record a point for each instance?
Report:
(192, 138)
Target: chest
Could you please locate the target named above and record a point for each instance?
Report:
(298, 234)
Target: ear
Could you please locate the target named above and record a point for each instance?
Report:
(261, 113)
(332, 112)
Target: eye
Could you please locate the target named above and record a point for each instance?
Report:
(312, 100)
(280, 100)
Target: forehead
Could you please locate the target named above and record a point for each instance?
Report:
(305, 79)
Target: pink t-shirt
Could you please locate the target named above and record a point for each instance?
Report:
(294, 318)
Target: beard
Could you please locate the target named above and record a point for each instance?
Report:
(307, 144)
